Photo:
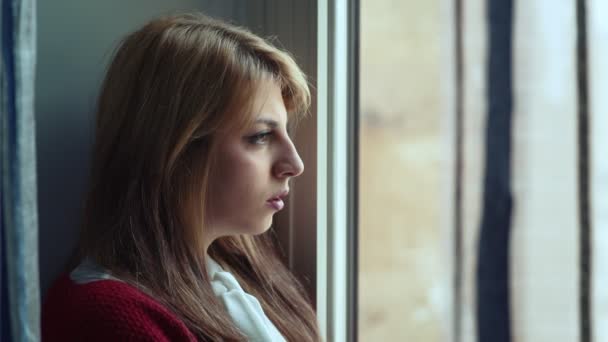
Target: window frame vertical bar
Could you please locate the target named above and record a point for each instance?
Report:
(337, 186)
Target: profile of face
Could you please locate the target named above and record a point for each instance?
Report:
(249, 179)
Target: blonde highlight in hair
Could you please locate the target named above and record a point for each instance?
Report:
(170, 88)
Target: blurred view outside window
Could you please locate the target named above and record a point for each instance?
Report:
(400, 273)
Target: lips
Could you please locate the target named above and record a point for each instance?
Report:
(276, 201)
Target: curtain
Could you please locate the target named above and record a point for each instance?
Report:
(20, 296)
(528, 122)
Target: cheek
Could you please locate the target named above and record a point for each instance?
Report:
(243, 177)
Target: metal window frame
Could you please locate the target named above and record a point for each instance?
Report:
(337, 168)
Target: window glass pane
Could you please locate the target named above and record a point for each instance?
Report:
(400, 274)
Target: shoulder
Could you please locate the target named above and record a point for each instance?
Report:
(107, 310)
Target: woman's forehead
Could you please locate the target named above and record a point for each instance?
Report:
(267, 106)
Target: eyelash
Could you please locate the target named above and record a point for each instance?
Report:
(260, 138)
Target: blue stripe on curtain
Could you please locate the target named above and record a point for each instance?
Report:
(586, 261)
(20, 281)
(458, 275)
(493, 309)
(7, 106)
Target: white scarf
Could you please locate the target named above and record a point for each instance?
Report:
(244, 309)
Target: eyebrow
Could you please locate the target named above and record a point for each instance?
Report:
(271, 123)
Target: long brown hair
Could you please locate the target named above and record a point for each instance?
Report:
(171, 86)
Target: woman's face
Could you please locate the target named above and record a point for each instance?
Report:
(250, 177)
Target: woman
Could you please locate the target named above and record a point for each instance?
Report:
(192, 158)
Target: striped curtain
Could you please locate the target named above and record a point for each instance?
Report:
(527, 130)
(20, 298)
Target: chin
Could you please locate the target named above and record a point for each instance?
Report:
(263, 228)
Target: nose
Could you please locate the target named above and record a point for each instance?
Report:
(289, 164)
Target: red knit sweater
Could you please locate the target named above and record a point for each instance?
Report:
(107, 310)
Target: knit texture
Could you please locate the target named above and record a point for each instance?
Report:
(107, 310)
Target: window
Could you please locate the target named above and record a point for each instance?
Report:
(401, 274)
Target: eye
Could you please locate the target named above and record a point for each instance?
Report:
(260, 138)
